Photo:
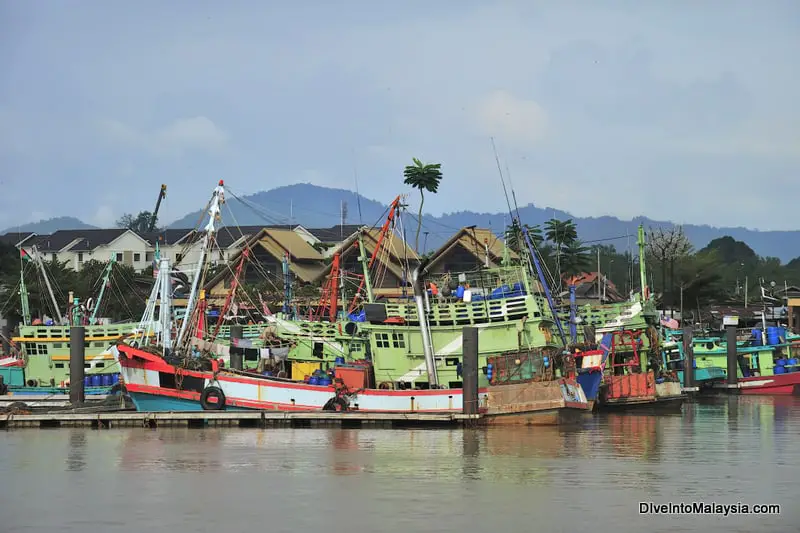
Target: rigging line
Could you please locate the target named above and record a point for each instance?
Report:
(500, 171)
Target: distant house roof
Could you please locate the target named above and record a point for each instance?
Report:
(227, 236)
(16, 238)
(76, 239)
(170, 237)
(476, 241)
(305, 262)
(397, 251)
(334, 234)
(586, 286)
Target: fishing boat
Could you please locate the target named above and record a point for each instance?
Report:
(769, 368)
(167, 375)
(622, 366)
(705, 375)
(38, 362)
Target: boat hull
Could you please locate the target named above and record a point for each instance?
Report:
(779, 384)
(640, 392)
(156, 386)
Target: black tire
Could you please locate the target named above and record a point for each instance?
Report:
(117, 388)
(337, 403)
(214, 392)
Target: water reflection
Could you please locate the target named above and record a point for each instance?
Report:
(76, 456)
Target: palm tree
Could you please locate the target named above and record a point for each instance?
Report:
(425, 177)
(562, 233)
(516, 242)
(575, 259)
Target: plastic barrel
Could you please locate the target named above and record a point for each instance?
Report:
(114, 379)
(773, 336)
(792, 361)
(95, 380)
(106, 380)
(339, 361)
(314, 380)
(782, 334)
(756, 337)
(781, 362)
(779, 370)
(87, 382)
(325, 381)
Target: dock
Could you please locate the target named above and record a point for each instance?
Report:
(249, 419)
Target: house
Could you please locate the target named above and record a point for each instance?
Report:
(17, 238)
(267, 249)
(75, 247)
(591, 287)
(470, 248)
(389, 273)
(328, 240)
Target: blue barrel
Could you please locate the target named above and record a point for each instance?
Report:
(756, 337)
(95, 380)
(773, 336)
(782, 334)
(792, 361)
(87, 382)
(781, 362)
(325, 382)
(106, 380)
(339, 361)
(313, 380)
(114, 379)
(779, 370)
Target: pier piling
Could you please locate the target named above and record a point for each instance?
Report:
(237, 353)
(77, 360)
(730, 323)
(469, 369)
(688, 359)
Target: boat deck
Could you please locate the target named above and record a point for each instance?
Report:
(252, 419)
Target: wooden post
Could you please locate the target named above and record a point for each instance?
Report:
(237, 353)
(469, 368)
(730, 323)
(688, 358)
(77, 360)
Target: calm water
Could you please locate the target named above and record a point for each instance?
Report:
(538, 480)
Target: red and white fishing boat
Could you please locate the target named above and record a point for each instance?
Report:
(165, 375)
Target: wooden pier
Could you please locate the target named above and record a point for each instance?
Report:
(250, 419)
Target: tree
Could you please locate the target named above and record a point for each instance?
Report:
(667, 246)
(562, 234)
(515, 239)
(575, 259)
(139, 223)
(425, 177)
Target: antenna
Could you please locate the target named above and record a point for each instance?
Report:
(358, 195)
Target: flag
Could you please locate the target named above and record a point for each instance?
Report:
(25, 255)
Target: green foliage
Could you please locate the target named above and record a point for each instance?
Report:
(139, 223)
(124, 299)
(424, 177)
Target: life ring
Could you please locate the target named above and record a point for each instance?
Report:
(214, 392)
(337, 403)
(386, 385)
(32, 383)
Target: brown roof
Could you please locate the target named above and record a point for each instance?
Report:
(475, 241)
(393, 244)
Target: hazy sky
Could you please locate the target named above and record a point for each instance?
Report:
(673, 109)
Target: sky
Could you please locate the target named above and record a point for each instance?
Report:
(678, 110)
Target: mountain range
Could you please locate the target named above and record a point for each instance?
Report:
(318, 207)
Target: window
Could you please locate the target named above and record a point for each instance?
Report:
(80, 257)
(381, 340)
(149, 256)
(398, 340)
(119, 257)
(54, 257)
(137, 258)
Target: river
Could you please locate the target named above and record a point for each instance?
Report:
(727, 450)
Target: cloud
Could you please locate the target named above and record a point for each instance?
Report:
(512, 119)
(104, 217)
(176, 138)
